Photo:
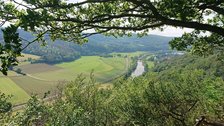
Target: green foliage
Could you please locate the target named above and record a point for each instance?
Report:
(60, 51)
(132, 66)
(197, 44)
(174, 96)
(212, 65)
(179, 97)
(82, 104)
(5, 108)
(70, 21)
(35, 113)
(11, 48)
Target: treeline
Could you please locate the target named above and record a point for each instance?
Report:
(172, 96)
(132, 67)
(60, 51)
(51, 55)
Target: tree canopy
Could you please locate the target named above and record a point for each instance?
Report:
(173, 96)
(71, 21)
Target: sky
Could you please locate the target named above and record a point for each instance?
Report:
(168, 31)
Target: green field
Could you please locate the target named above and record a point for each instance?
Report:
(41, 78)
(104, 68)
(38, 68)
(8, 87)
(34, 86)
(10, 73)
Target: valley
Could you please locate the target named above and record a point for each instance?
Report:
(112, 63)
(40, 78)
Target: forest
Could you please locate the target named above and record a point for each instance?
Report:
(60, 51)
(174, 92)
(179, 87)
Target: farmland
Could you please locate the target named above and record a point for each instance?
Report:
(103, 68)
(41, 78)
(9, 87)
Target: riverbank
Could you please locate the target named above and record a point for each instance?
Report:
(140, 69)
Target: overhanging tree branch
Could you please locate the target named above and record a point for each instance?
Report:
(129, 28)
(194, 25)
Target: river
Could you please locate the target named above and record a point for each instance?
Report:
(140, 69)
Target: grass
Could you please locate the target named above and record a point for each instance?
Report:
(10, 73)
(8, 87)
(38, 68)
(42, 78)
(104, 68)
(119, 67)
(86, 64)
(35, 86)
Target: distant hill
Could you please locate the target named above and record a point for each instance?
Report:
(130, 44)
(97, 45)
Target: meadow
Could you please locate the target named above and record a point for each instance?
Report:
(9, 87)
(103, 68)
(41, 78)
